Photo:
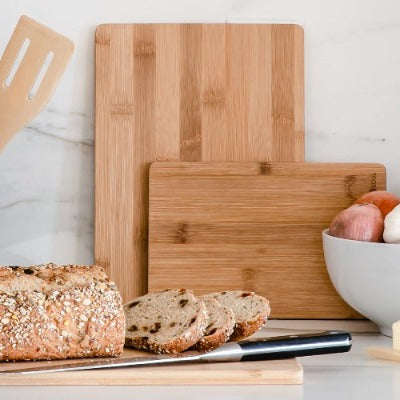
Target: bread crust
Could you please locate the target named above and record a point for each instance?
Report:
(245, 328)
(53, 312)
(221, 334)
(211, 342)
(178, 344)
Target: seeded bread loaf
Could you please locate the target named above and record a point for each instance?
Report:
(220, 325)
(52, 312)
(251, 311)
(168, 321)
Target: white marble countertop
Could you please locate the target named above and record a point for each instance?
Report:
(344, 376)
(352, 94)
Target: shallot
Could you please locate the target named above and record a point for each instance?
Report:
(362, 222)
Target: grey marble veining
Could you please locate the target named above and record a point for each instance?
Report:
(352, 97)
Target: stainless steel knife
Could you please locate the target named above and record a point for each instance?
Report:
(273, 348)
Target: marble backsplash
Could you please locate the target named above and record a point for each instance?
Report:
(352, 99)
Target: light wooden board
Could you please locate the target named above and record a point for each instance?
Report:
(236, 373)
(383, 353)
(185, 92)
(252, 226)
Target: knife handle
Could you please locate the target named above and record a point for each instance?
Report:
(295, 346)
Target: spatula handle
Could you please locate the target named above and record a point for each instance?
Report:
(295, 346)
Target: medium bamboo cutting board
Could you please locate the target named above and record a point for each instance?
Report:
(185, 92)
(282, 372)
(252, 226)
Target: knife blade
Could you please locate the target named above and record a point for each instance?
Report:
(278, 347)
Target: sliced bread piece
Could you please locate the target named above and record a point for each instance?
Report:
(251, 311)
(168, 321)
(220, 325)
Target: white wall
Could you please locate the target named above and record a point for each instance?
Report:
(352, 67)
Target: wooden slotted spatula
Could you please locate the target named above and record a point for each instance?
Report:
(31, 67)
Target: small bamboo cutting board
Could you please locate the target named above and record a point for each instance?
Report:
(185, 92)
(282, 372)
(253, 226)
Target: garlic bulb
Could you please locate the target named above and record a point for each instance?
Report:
(391, 233)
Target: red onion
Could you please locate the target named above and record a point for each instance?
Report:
(362, 222)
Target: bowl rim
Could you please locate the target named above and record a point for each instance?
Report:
(354, 242)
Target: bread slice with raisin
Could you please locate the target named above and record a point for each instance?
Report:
(251, 311)
(168, 321)
(220, 325)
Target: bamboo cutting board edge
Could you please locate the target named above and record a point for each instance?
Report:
(156, 78)
(214, 234)
(282, 372)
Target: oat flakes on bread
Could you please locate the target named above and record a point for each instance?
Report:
(168, 321)
(220, 326)
(251, 311)
(50, 312)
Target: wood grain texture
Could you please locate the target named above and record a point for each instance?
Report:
(185, 92)
(383, 353)
(17, 109)
(282, 372)
(253, 226)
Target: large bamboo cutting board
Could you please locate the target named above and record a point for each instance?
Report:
(185, 92)
(283, 372)
(252, 226)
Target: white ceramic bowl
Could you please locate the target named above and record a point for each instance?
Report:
(367, 276)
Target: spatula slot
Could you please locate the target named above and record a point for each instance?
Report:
(17, 62)
(30, 68)
(41, 75)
